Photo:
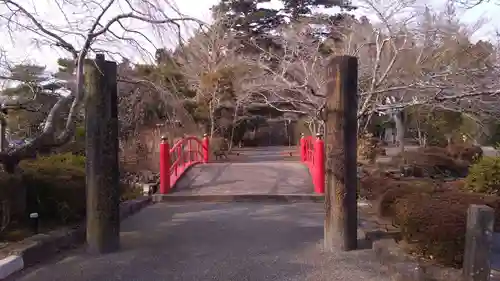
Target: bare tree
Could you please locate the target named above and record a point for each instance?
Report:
(402, 63)
(88, 27)
(438, 68)
(221, 76)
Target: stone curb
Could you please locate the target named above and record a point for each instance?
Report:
(282, 198)
(41, 247)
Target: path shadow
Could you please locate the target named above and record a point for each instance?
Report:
(246, 241)
(264, 154)
(212, 183)
(214, 172)
(285, 177)
(217, 241)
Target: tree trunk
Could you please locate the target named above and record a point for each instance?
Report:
(341, 148)
(212, 119)
(420, 135)
(400, 131)
(231, 136)
(363, 125)
(3, 139)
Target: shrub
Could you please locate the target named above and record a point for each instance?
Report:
(435, 230)
(433, 150)
(372, 186)
(218, 144)
(129, 192)
(76, 145)
(367, 148)
(432, 162)
(434, 224)
(484, 176)
(12, 199)
(55, 186)
(385, 204)
(465, 152)
(59, 160)
(456, 185)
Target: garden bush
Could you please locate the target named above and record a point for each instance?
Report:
(465, 152)
(385, 203)
(218, 144)
(53, 186)
(432, 213)
(434, 224)
(431, 163)
(76, 145)
(433, 150)
(455, 185)
(484, 176)
(372, 186)
(367, 148)
(12, 200)
(433, 229)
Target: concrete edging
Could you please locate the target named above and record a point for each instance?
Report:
(282, 198)
(40, 247)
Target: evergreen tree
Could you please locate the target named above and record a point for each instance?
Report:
(254, 23)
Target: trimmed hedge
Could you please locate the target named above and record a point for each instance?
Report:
(432, 229)
(385, 204)
(56, 184)
(424, 163)
(465, 152)
(453, 160)
(432, 214)
(53, 186)
(369, 148)
(435, 223)
(218, 144)
(484, 176)
(373, 186)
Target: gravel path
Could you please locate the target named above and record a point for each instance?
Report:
(227, 242)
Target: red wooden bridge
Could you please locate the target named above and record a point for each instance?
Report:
(263, 172)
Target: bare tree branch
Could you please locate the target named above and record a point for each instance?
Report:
(98, 23)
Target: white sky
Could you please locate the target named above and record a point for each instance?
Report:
(23, 48)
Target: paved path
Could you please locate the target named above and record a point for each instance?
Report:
(226, 242)
(268, 177)
(223, 241)
(261, 171)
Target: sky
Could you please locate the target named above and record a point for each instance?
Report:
(22, 48)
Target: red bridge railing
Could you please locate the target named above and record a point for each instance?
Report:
(175, 161)
(312, 154)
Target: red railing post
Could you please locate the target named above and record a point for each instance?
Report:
(185, 160)
(302, 148)
(164, 166)
(319, 165)
(206, 148)
(190, 152)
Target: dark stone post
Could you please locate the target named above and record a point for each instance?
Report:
(478, 243)
(101, 143)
